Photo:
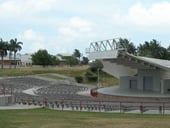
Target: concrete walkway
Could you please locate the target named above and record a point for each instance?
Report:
(19, 106)
(84, 93)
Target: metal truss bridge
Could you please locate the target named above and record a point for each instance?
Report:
(105, 48)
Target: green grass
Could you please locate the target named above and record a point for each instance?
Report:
(52, 76)
(44, 118)
(69, 71)
(105, 79)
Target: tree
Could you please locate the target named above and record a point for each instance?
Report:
(85, 61)
(10, 49)
(41, 57)
(95, 65)
(130, 47)
(3, 51)
(71, 60)
(168, 53)
(152, 49)
(54, 60)
(77, 54)
(15, 47)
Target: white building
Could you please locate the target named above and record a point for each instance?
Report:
(26, 60)
(22, 60)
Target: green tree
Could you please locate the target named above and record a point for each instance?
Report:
(54, 60)
(3, 51)
(168, 53)
(95, 65)
(71, 60)
(77, 54)
(152, 49)
(130, 47)
(41, 57)
(85, 60)
(15, 47)
(10, 49)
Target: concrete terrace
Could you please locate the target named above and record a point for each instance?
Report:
(116, 91)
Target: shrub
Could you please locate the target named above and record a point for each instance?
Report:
(95, 65)
(79, 79)
(90, 76)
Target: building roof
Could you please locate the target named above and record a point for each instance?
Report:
(116, 52)
(145, 62)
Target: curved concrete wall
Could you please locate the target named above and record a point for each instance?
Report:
(117, 70)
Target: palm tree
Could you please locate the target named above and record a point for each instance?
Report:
(3, 51)
(10, 49)
(77, 54)
(152, 49)
(16, 46)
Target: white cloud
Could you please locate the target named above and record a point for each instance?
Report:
(68, 32)
(63, 25)
(20, 8)
(75, 28)
(31, 35)
(82, 25)
(32, 41)
(158, 14)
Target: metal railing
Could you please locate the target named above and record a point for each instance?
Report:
(101, 105)
(105, 45)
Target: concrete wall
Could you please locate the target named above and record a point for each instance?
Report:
(155, 74)
(6, 100)
(125, 81)
(117, 70)
(165, 74)
(166, 86)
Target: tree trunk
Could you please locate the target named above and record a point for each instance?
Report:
(10, 60)
(2, 62)
(15, 62)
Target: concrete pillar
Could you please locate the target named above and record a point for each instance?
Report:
(162, 87)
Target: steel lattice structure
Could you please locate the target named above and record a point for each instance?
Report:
(106, 45)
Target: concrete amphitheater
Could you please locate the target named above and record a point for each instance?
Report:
(35, 92)
(39, 91)
(139, 77)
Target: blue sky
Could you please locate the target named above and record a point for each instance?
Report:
(60, 26)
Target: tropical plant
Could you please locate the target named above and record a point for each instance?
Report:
(152, 49)
(10, 49)
(3, 51)
(85, 60)
(130, 47)
(15, 47)
(77, 54)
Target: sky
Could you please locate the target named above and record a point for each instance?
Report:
(61, 26)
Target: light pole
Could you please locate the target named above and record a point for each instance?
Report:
(98, 71)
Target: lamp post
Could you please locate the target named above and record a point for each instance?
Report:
(98, 71)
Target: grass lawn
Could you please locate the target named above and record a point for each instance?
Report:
(105, 79)
(69, 71)
(44, 118)
(51, 76)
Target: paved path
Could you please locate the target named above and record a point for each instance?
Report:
(19, 106)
